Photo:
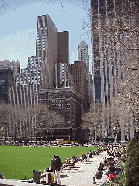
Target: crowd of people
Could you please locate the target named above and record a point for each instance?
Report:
(110, 164)
(84, 158)
(56, 164)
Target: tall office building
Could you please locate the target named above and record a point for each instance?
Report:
(100, 10)
(46, 49)
(103, 62)
(90, 88)
(63, 47)
(62, 57)
(80, 76)
(66, 102)
(83, 53)
(6, 80)
(34, 70)
(83, 56)
(30, 75)
(109, 56)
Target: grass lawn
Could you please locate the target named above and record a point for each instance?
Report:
(18, 161)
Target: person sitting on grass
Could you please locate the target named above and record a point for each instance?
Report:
(82, 158)
(67, 161)
(72, 161)
(1, 175)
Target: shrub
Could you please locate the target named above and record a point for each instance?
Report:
(132, 163)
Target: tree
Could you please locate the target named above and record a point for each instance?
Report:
(127, 108)
(10, 118)
(48, 119)
(20, 121)
(4, 119)
(93, 119)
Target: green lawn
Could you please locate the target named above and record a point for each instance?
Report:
(18, 161)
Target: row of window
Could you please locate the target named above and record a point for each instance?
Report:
(78, 70)
(28, 78)
(29, 81)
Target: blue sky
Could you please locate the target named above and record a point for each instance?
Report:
(18, 19)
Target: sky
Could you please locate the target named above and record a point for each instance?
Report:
(18, 26)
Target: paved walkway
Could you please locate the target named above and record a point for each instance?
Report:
(82, 174)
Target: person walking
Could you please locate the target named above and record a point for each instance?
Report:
(56, 165)
(58, 168)
(53, 166)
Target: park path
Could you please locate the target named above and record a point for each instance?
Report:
(82, 174)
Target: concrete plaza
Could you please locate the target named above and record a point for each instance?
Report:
(82, 174)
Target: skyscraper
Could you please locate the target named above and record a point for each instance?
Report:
(111, 23)
(6, 80)
(46, 49)
(80, 77)
(102, 58)
(62, 56)
(83, 53)
(63, 47)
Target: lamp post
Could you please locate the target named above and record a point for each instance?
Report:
(40, 132)
(114, 132)
(40, 129)
(95, 136)
(46, 136)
